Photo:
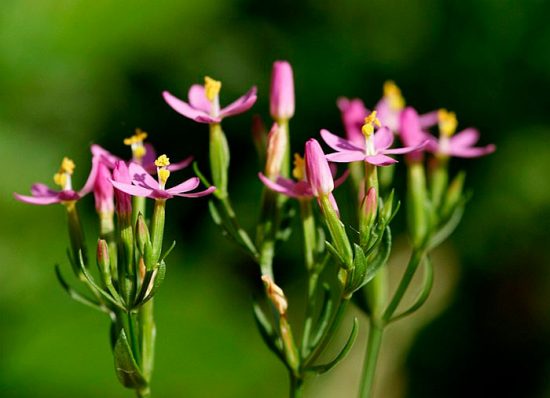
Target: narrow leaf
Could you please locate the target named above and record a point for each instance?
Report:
(127, 369)
(76, 295)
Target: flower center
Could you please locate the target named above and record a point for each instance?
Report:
(299, 170)
(136, 144)
(212, 91)
(447, 123)
(163, 173)
(63, 176)
(368, 131)
(392, 93)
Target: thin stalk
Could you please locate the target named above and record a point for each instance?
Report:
(412, 266)
(144, 393)
(138, 206)
(148, 334)
(371, 358)
(439, 178)
(107, 232)
(157, 227)
(296, 386)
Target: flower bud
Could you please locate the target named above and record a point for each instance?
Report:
(123, 200)
(281, 100)
(369, 207)
(317, 169)
(277, 144)
(103, 190)
(387, 209)
(103, 260)
(142, 234)
(259, 135)
(276, 295)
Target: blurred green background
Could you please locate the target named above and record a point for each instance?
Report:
(74, 72)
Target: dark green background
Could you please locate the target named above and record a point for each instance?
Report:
(76, 72)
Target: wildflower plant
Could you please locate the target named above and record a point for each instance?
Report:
(344, 263)
(130, 257)
(359, 252)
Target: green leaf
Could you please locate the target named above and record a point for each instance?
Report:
(157, 278)
(320, 369)
(127, 369)
(334, 252)
(200, 175)
(76, 295)
(380, 257)
(168, 251)
(448, 228)
(214, 213)
(359, 271)
(325, 316)
(267, 332)
(424, 293)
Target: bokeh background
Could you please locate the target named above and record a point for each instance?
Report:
(73, 72)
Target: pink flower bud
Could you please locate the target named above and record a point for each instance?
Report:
(411, 133)
(317, 169)
(123, 200)
(282, 91)
(353, 116)
(370, 206)
(277, 144)
(103, 190)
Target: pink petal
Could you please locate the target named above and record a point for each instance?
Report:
(187, 185)
(472, 152)
(380, 160)
(407, 149)
(346, 156)
(207, 191)
(338, 143)
(465, 138)
(140, 177)
(240, 105)
(429, 119)
(90, 181)
(283, 186)
(132, 189)
(197, 98)
(148, 161)
(105, 156)
(180, 165)
(187, 110)
(383, 138)
(42, 190)
(33, 200)
(332, 200)
(388, 116)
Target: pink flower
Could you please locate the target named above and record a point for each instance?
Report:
(143, 184)
(123, 200)
(41, 194)
(460, 145)
(204, 104)
(281, 99)
(411, 132)
(373, 149)
(353, 117)
(147, 161)
(103, 190)
(317, 169)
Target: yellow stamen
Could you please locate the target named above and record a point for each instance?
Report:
(138, 137)
(67, 166)
(139, 152)
(298, 171)
(60, 179)
(370, 121)
(447, 122)
(212, 88)
(162, 161)
(393, 94)
(163, 176)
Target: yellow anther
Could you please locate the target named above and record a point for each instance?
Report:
(60, 179)
(370, 121)
(67, 166)
(212, 88)
(298, 171)
(393, 94)
(139, 152)
(447, 122)
(162, 161)
(163, 176)
(138, 137)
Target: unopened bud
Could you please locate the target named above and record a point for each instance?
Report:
(277, 145)
(387, 209)
(281, 101)
(142, 234)
(142, 269)
(276, 295)
(318, 171)
(369, 206)
(259, 136)
(103, 260)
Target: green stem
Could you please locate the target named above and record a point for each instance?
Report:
(310, 308)
(412, 266)
(138, 206)
(371, 358)
(157, 227)
(308, 224)
(337, 232)
(107, 232)
(148, 334)
(439, 181)
(76, 235)
(144, 393)
(417, 199)
(219, 159)
(296, 386)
